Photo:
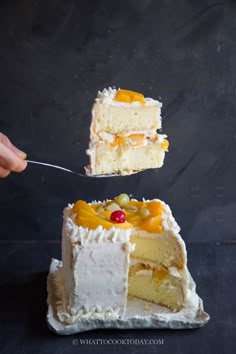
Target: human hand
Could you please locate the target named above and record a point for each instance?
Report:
(11, 158)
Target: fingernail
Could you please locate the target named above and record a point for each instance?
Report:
(21, 153)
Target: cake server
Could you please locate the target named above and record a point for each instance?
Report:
(81, 173)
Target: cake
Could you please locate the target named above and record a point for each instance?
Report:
(123, 133)
(120, 249)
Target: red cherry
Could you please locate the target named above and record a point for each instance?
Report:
(118, 216)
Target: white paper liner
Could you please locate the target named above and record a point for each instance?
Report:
(139, 313)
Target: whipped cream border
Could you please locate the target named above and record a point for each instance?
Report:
(86, 235)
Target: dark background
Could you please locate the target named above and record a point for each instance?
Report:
(54, 57)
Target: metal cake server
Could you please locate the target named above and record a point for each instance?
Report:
(81, 173)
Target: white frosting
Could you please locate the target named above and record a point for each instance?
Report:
(174, 272)
(106, 137)
(168, 221)
(106, 96)
(95, 267)
(139, 313)
(70, 315)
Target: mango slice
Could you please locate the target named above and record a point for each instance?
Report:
(129, 96)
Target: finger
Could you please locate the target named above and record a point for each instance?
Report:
(10, 160)
(4, 173)
(6, 141)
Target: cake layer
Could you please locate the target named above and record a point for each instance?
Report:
(165, 249)
(157, 286)
(116, 117)
(126, 157)
(124, 119)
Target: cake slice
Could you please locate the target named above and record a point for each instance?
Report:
(123, 137)
(117, 248)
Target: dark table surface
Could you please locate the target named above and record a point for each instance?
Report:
(54, 57)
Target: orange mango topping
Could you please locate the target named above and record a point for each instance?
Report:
(159, 274)
(119, 140)
(91, 216)
(86, 216)
(129, 96)
(165, 145)
(133, 139)
(137, 139)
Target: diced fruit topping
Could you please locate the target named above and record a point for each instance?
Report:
(132, 139)
(83, 209)
(118, 140)
(112, 207)
(159, 274)
(136, 139)
(165, 145)
(118, 216)
(131, 208)
(122, 199)
(92, 216)
(155, 208)
(129, 96)
(100, 209)
(144, 212)
(121, 212)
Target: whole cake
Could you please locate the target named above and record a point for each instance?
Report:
(120, 248)
(123, 137)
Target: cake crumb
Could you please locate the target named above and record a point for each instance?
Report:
(147, 307)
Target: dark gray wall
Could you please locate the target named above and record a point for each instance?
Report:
(55, 55)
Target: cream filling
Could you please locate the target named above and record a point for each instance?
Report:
(145, 272)
(173, 271)
(110, 138)
(133, 261)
